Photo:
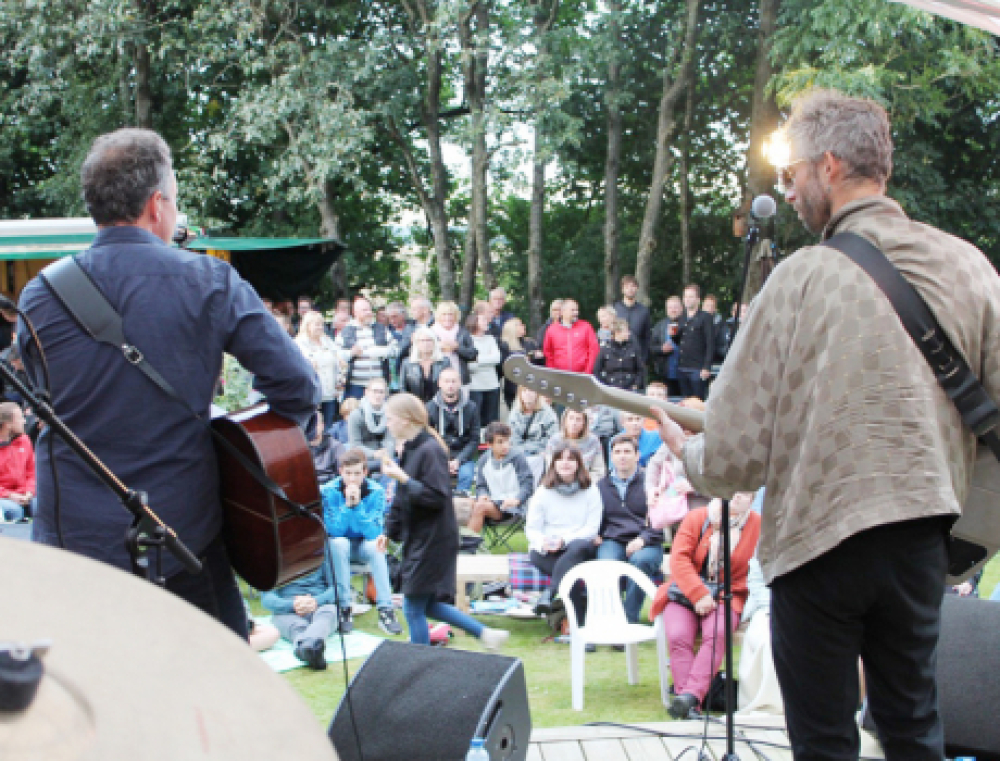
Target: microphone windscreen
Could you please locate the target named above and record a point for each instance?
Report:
(764, 207)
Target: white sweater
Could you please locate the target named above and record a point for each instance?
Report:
(483, 372)
(569, 518)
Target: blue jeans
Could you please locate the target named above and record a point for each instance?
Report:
(319, 624)
(466, 473)
(417, 609)
(328, 409)
(10, 511)
(691, 383)
(343, 551)
(648, 560)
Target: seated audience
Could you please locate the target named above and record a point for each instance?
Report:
(305, 613)
(326, 452)
(564, 516)
(420, 372)
(625, 531)
(338, 430)
(666, 480)
(504, 481)
(366, 426)
(456, 419)
(354, 514)
(484, 376)
(320, 350)
(619, 362)
(512, 341)
(532, 424)
(17, 465)
(575, 430)
(454, 341)
(689, 605)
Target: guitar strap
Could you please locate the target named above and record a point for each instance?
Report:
(974, 404)
(91, 310)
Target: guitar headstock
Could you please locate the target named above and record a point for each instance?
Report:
(573, 390)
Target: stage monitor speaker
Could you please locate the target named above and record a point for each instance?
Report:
(418, 702)
(969, 677)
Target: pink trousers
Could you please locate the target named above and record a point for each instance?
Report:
(693, 672)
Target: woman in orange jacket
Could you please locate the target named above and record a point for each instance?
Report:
(687, 603)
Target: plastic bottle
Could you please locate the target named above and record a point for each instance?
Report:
(477, 750)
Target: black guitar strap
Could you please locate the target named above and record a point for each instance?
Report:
(974, 404)
(91, 310)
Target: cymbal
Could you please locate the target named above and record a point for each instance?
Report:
(135, 672)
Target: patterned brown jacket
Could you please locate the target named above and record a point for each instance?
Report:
(826, 401)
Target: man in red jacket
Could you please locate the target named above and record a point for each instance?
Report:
(17, 464)
(571, 343)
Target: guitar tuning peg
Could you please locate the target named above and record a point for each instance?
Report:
(583, 403)
(543, 384)
(530, 378)
(570, 397)
(557, 391)
(516, 371)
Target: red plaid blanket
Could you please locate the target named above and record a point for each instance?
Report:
(524, 577)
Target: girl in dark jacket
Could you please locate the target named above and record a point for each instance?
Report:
(619, 363)
(423, 519)
(420, 371)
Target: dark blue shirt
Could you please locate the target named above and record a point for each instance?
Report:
(182, 310)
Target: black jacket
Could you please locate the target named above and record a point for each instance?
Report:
(423, 519)
(696, 341)
(657, 358)
(462, 440)
(639, 323)
(621, 365)
(624, 520)
(467, 352)
(509, 387)
(411, 378)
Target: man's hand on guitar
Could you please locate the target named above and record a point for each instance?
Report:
(671, 433)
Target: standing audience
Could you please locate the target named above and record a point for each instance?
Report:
(513, 341)
(636, 314)
(620, 361)
(320, 350)
(484, 380)
(663, 351)
(570, 344)
(454, 341)
(367, 347)
(17, 465)
(421, 371)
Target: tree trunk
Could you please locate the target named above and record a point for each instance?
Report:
(685, 182)
(764, 116)
(536, 306)
(143, 91)
(435, 205)
(329, 227)
(666, 126)
(612, 162)
(471, 259)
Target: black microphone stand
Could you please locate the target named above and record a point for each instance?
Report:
(147, 532)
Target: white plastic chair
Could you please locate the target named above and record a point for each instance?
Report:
(606, 623)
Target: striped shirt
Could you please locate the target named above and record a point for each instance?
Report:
(369, 364)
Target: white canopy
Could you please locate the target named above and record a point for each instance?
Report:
(984, 14)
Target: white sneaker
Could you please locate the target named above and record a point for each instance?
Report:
(494, 639)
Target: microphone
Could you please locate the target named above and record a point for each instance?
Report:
(763, 207)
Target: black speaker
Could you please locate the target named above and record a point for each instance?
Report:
(419, 702)
(969, 677)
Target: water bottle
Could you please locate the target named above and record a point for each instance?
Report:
(477, 750)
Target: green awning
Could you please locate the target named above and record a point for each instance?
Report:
(43, 246)
(258, 244)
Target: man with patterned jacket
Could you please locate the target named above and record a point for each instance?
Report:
(826, 400)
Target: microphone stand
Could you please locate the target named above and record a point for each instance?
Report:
(147, 532)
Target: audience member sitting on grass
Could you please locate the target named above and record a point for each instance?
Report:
(456, 419)
(420, 372)
(564, 516)
(532, 424)
(305, 613)
(504, 482)
(575, 430)
(17, 465)
(688, 603)
(339, 429)
(354, 514)
(625, 531)
(366, 425)
(326, 452)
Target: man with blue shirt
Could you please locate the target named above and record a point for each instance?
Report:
(182, 310)
(354, 514)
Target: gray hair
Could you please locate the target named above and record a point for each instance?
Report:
(855, 130)
(121, 171)
(396, 306)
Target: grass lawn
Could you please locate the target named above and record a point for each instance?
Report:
(607, 697)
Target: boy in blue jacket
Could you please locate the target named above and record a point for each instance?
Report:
(304, 612)
(354, 513)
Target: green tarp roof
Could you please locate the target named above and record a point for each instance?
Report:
(56, 246)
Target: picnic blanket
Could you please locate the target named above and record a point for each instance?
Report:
(524, 577)
(357, 644)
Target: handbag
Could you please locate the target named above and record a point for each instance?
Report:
(670, 508)
(674, 593)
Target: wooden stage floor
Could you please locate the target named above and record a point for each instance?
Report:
(602, 743)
